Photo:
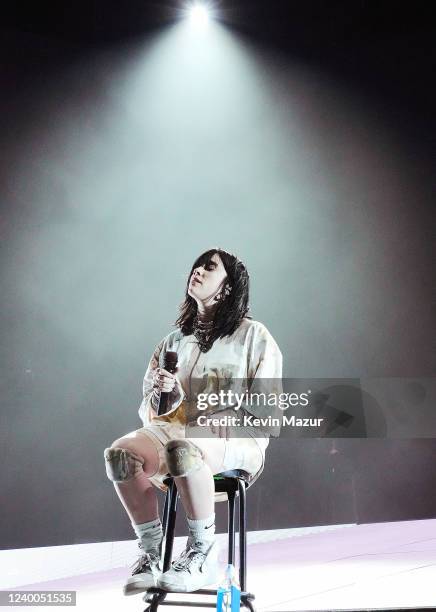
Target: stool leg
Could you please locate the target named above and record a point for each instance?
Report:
(242, 535)
(170, 525)
(165, 513)
(231, 527)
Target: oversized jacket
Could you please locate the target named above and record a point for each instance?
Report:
(249, 359)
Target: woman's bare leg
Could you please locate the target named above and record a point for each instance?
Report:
(138, 495)
(197, 489)
(197, 493)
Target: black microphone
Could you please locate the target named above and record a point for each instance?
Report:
(170, 365)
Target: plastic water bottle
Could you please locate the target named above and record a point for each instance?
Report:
(229, 592)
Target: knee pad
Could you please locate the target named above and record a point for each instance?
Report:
(183, 457)
(122, 464)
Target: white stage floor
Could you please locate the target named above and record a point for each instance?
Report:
(379, 565)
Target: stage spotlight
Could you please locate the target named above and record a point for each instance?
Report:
(198, 14)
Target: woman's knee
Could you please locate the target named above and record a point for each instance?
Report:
(122, 443)
(212, 451)
(128, 458)
(183, 457)
(140, 445)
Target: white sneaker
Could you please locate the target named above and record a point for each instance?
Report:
(145, 574)
(193, 569)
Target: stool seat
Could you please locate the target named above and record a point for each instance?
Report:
(220, 476)
(234, 474)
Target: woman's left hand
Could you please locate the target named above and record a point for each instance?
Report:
(223, 431)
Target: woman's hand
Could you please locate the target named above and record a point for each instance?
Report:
(164, 380)
(222, 431)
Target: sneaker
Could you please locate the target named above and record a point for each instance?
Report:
(194, 569)
(145, 574)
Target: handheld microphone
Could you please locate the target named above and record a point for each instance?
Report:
(169, 364)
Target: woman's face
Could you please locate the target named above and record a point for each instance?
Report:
(207, 280)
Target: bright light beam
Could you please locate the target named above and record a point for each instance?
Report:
(198, 14)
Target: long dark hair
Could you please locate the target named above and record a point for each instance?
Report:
(231, 310)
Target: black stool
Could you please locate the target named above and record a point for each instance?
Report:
(233, 482)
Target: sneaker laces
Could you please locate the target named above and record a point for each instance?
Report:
(147, 561)
(192, 555)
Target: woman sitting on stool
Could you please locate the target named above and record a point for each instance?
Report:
(215, 341)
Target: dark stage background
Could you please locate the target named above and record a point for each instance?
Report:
(299, 136)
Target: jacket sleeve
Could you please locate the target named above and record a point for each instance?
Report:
(265, 358)
(260, 389)
(150, 398)
(264, 369)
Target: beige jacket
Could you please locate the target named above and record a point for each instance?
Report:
(250, 359)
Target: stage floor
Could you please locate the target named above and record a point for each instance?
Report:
(377, 565)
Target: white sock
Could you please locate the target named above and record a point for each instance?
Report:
(150, 534)
(202, 531)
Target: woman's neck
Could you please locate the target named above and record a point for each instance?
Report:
(205, 315)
